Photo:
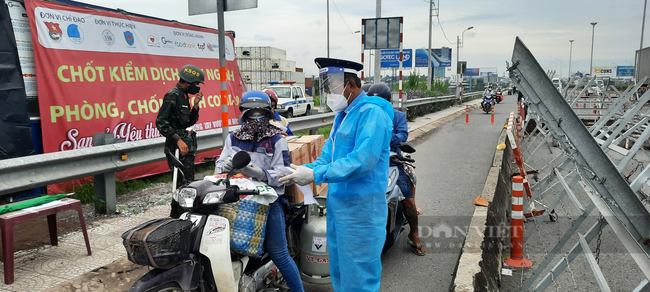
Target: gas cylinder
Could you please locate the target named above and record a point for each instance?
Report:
(314, 254)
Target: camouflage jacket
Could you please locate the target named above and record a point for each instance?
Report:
(176, 114)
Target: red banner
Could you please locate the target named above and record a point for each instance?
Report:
(103, 71)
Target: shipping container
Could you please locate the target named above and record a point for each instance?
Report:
(285, 76)
(246, 76)
(247, 65)
(276, 53)
(265, 52)
(246, 53)
(265, 77)
(276, 76)
(256, 77)
(298, 69)
(299, 77)
(255, 52)
(288, 65)
(238, 54)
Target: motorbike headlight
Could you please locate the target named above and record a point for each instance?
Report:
(392, 177)
(185, 197)
(214, 198)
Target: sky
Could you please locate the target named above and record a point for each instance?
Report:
(300, 28)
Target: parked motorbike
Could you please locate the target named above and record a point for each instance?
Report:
(396, 218)
(488, 102)
(211, 265)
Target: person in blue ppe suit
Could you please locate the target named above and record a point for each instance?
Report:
(400, 134)
(269, 152)
(354, 162)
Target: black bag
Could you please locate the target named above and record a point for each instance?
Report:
(160, 243)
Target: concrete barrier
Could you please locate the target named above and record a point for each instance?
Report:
(479, 266)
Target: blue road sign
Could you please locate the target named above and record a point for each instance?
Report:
(625, 71)
(390, 58)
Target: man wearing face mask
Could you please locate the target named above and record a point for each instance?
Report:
(175, 119)
(354, 162)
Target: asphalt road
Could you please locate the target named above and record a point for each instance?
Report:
(452, 164)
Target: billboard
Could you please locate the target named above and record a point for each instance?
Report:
(102, 71)
(390, 58)
(604, 72)
(382, 33)
(472, 72)
(440, 57)
(625, 71)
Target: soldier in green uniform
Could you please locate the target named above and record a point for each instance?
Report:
(175, 116)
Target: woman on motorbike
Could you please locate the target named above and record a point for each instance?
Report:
(269, 151)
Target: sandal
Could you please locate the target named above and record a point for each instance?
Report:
(417, 249)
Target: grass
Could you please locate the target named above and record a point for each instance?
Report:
(325, 131)
(85, 192)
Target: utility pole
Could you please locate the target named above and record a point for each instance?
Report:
(432, 8)
(593, 29)
(377, 78)
(643, 24)
(570, 53)
(328, 28)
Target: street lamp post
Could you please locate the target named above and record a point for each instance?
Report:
(593, 29)
(560, 67)
(459, 44)
(570, 52)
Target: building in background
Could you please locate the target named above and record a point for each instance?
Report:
(261, 65)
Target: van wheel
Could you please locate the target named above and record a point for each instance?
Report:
(290, 113)
(308, 112)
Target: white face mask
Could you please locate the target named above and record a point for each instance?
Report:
(337, 102)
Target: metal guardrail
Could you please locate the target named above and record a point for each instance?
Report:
(24, 173)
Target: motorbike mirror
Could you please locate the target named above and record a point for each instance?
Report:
(240, 160)
(175, 160)
(406, 147)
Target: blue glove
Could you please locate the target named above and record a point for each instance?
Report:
(254, 171)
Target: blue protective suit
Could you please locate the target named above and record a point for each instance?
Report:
(355, 164)
(400, 131)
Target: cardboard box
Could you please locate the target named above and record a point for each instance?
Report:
(303, 150)
(298, 154)
(315, 145)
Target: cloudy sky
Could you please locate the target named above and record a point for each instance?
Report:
(300, 27)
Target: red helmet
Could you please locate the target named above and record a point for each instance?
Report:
(271, 93)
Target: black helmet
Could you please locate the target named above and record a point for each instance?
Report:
(366, 86)
(256, 99)
(191, 74)
(381, 90)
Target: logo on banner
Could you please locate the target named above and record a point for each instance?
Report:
(75, 34)
(167, 43)
(55, 32)
(210, 47)
(152, 42)
(108, 37)
(128, 36)
(200, 46)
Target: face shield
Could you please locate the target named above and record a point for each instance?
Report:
(331, 80)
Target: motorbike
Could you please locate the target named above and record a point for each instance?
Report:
(396, 219)
(211, 265)
(499, 97)
(488, 102)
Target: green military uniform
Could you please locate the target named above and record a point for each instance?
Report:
(175, 115)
